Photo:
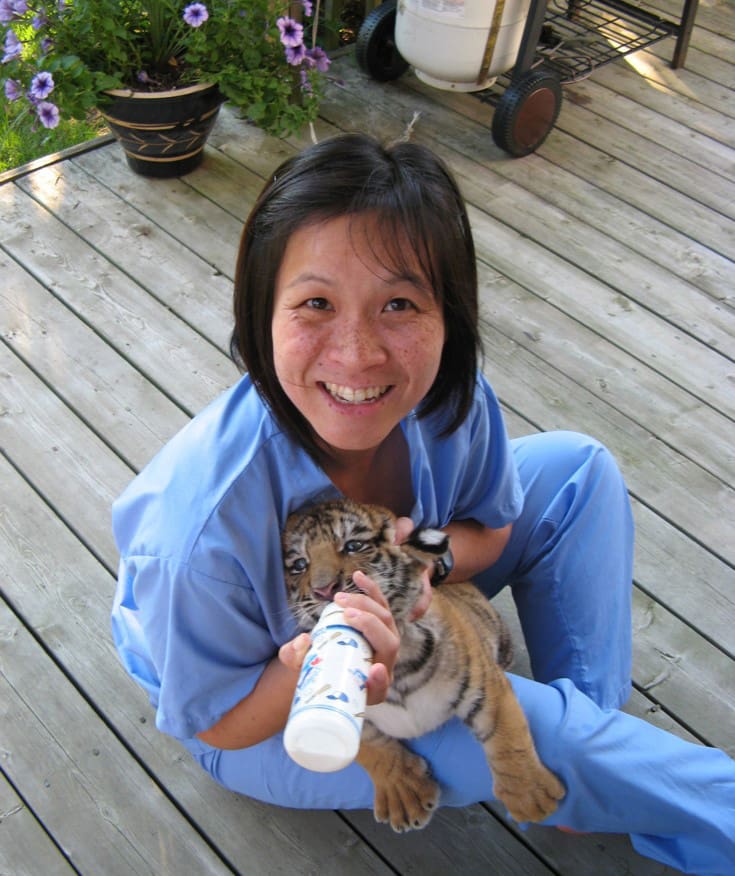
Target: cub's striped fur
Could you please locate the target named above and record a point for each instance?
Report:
(450, 661)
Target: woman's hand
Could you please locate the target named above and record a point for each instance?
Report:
(369, 613)
(292, 653)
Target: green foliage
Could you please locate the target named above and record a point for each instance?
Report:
(20, 144)
(90, 46)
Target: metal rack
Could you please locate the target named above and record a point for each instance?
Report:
(563, 41)
(603, 30)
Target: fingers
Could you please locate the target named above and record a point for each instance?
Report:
(292, 653)
(369, 613)
(404, 527)
(378, 682)
(424, 601)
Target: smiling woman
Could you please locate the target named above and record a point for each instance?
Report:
(357, 347)
(329, 196)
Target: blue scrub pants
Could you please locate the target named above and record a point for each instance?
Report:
(569, 563)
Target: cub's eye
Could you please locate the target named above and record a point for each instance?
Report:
(353, 546)
(298, 566)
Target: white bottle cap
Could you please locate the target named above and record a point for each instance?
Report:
(325, 743)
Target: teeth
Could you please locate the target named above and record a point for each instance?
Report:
(355, 396)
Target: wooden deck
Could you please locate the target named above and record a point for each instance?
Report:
(607, 265)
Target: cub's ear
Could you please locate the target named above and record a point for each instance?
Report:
(426, 544)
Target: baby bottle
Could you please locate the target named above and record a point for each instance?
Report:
(325, 722)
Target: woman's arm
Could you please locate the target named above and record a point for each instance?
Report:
(474, 547)
(265, 710)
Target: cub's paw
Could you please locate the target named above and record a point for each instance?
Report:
(408, 797)
(531, 797)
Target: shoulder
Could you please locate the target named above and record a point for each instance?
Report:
(484, 420)
(233, 451)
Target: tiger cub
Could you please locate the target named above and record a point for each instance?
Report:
(450, 661)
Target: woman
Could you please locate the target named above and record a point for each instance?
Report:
(356, 319)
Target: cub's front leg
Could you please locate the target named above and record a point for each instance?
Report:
(405, 793)
(529, 790)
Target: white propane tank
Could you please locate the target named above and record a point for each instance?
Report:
(460, 45)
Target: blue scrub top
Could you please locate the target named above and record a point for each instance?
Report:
(200, 606)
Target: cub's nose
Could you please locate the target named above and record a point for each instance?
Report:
(328, 590)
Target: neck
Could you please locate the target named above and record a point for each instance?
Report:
(378, 476)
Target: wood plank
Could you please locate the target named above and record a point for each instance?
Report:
(25, 847)
(693, 584)
(590, 162)
(203, 227)
(678, 106)
(694, 366)
(135, 324)
(460, 841)
(169, 271)
(551, 401)
(686, 674)
(59, 454)
(590, 248)
(97, 803)
(686, 425)
(714, 157)
(100, 385)
(712, 15)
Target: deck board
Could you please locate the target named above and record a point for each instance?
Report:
(607, 269)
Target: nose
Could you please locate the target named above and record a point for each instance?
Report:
(358, 343)
(327, 591)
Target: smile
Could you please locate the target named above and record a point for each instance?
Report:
(355, 396)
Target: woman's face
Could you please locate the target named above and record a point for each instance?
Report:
(355, 345)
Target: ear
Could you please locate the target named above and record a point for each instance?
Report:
(426, 544)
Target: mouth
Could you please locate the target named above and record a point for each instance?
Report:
(360, 396)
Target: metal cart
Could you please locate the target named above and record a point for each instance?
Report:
(562, 41)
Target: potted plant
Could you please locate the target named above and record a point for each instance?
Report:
(67, 58)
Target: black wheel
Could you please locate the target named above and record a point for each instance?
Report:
(526, 112)
(375, 48)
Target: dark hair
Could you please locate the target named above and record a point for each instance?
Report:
(414, 197)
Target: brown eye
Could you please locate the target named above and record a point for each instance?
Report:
(317, 304)
(398, 305)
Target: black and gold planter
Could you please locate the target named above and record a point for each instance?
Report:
(163, 133)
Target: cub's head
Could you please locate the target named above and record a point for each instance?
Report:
(325, 544)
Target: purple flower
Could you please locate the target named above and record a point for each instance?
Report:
(6, 11)
(307, 7)
(143, 77)
(42, 85)
(319, 59)
(39, 21)
(12, 47)
(20, 7)
(46, 45)
(292, 33)
(48, 114)
(305, 83)
(13, 89)
(196, 14)
(295, 54)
